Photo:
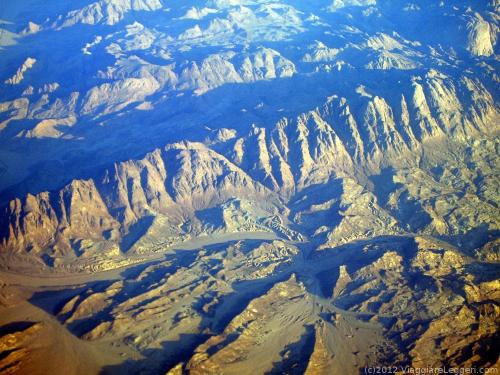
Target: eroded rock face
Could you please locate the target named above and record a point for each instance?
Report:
(176, 181)
(187, 186)
(109, 12)
(76, 212)
(19, 76)
(183, 180)
(481, 36)
(14, 343)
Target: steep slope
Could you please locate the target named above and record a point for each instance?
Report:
(109, 12)
(109, 213)
(293, 155)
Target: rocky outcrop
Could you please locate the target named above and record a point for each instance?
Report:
(219, 69)
(56, 219)
(253, 325)
(112, 97)
(389, 301)
(481, 37)
(361, 217)
(175, 181)
(19, 76)
(109, 12)
(330, 141)
(31, 28)
(333, 139)
(319, 52)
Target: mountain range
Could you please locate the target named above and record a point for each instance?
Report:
(249, 186)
